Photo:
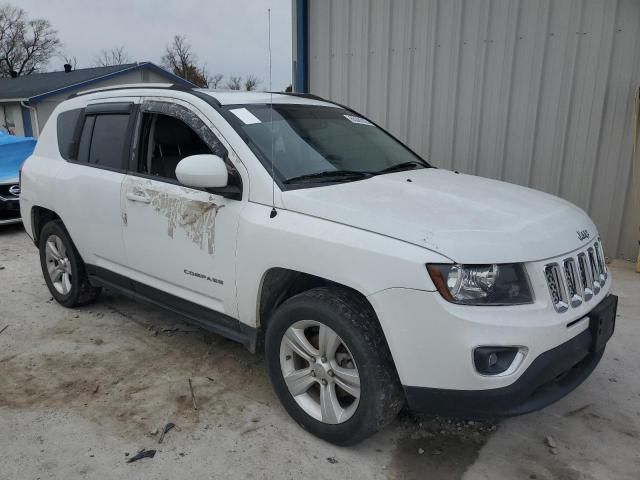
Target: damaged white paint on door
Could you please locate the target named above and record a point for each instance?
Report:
(191, 210)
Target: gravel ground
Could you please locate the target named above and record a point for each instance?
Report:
(82, 391)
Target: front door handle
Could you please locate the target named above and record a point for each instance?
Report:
(138, 197)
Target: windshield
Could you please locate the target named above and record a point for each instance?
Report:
(320, 144)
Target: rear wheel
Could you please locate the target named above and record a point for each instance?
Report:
(331, 367)
(63, 269)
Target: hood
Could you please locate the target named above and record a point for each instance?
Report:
(466, 218)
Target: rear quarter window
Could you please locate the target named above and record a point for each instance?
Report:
(67, 125)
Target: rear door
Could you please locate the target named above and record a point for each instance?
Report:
(89, 187)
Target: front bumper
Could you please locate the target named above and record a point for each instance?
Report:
(432, 342)
(550, 377)
(9, 210)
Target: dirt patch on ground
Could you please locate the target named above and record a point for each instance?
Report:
(136, 385)
(437, 449)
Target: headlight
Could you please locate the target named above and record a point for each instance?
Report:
(494, 284)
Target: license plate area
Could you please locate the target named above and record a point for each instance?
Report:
(602, 322)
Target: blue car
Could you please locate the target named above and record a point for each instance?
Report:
(13, 151)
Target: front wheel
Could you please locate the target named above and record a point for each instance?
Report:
(63, 268)
(331, 367)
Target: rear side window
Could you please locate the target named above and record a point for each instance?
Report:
(104, 140)
(67, 124)
(109, 140)
(85, 139)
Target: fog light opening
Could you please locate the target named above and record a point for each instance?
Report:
(495, 361)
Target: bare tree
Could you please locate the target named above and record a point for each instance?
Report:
(234, 83)
(179, 59)
(114, 56)
(25, 45)
(216, 80)
(251, 82)
(205, 75)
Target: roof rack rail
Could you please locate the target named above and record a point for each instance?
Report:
(310, 96)
(132, 86)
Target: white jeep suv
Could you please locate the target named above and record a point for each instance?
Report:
(295, 225)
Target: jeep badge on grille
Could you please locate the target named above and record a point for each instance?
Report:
(582, 234)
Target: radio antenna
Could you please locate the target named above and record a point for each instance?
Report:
(273, 178)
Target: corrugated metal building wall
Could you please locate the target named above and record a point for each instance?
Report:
(535, 92)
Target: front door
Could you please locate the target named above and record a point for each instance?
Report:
(179, 240)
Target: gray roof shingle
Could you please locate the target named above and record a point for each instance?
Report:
(40, 83)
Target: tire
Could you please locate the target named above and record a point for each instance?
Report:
(362, 349)
(68, 283)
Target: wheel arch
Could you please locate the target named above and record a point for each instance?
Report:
(278, 284)
(40, 216)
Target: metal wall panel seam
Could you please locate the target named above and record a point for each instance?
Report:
(562, 133)
(506, 82)
(479, 104)
(529, 152)
(409, 73)
(633, 206)
(430, 87)
(454, 77)
(598, 135)
(584, 153)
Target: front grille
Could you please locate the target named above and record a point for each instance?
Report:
(576, 279)
(556, 287)
(574, 287)
(585, 276)
(602, 266)
(5, 191)
(595, 273)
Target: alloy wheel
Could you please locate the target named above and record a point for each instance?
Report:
(320, 371)
(58, 264)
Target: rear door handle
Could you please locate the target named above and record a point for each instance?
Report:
(138, 197)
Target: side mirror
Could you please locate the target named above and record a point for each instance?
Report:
(203, 171)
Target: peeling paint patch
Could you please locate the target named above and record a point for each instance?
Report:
(196, 218)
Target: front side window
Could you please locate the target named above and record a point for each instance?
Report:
(318, 143)
(165, 141)
(168, 133)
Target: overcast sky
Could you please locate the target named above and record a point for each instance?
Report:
(229, 35)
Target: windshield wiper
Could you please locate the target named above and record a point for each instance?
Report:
(351, 175)
(404, 166)
(330, 175)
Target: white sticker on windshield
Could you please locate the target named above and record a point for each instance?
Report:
(245, 115)
(359, 120)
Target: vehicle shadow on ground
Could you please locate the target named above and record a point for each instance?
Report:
(11, 229)
(437, 448)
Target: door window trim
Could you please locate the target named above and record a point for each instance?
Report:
(94, 110)
(195, 123)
